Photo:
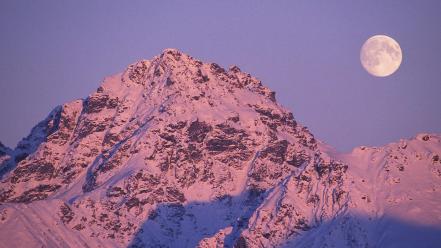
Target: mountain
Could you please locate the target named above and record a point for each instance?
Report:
(395, 194)
(174, 152)
(5, 156)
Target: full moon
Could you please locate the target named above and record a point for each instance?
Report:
(381, 55)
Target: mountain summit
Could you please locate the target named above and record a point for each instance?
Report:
(174, 152)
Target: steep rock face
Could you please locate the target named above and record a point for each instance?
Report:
(172, 152)
(40, 156)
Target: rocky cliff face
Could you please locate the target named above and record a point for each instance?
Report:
(174, 152)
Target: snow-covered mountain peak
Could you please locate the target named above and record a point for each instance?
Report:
(176, 152)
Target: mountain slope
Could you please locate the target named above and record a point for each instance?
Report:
(174, 152)
(395, 194)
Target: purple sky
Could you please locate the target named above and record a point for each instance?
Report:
(53, 52)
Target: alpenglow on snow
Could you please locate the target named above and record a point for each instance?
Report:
(174, 152)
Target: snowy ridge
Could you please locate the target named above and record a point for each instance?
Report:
(174, 152)
(395, 193)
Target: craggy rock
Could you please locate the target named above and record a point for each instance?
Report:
(38, 193)
(198, 130)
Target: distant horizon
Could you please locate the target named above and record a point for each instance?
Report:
(308, 54)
